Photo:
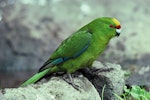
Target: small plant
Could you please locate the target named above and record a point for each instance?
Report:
(103, 92)
(135, 93)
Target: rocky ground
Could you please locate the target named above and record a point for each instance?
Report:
(31, 30)
(90, 87)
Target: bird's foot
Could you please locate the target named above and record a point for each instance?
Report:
(98, 70)
(70, 81)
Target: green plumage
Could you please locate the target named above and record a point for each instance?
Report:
(80, 49)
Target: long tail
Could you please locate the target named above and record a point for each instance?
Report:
(35, 78)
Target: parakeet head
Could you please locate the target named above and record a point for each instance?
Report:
(116, 25)
(106, 26)
(111, 26)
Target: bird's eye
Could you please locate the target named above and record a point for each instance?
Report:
(117, 27)
(111, 26)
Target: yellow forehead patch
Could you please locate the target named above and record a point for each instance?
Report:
(116, 21)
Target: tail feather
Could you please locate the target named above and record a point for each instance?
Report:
(35, 78)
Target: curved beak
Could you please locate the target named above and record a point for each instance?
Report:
(118, 30)
(117, 34)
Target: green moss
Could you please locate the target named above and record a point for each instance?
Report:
(135, 93)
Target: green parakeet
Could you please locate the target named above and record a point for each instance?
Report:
(80, 49)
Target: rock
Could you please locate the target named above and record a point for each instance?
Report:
(109, 75)
(55, 89)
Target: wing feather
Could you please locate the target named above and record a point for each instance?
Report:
(70, 48)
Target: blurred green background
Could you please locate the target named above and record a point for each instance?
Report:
(30, 30)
